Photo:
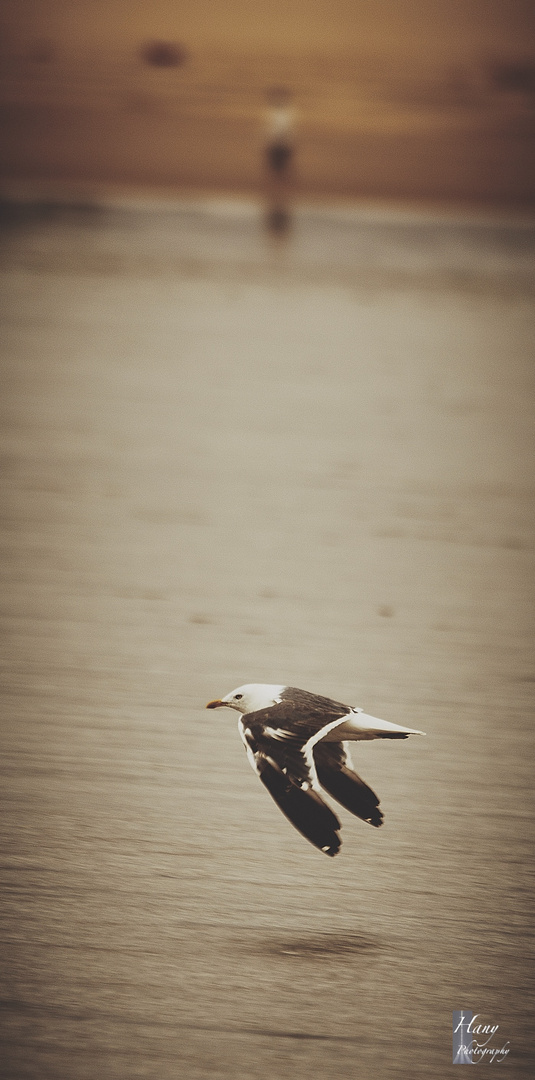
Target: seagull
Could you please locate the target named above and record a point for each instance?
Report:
(295, 744)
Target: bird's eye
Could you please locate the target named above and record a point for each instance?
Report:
(238, 697)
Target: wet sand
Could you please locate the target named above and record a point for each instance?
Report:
(228, 460)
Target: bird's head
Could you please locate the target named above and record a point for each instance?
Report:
(249, 698)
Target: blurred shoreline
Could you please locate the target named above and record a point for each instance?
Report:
(363, 245)
(21, 193)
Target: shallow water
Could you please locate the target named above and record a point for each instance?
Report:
(229, 460)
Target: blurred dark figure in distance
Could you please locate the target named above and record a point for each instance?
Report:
(279, 154)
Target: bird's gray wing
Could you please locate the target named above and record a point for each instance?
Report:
(334, 772)
(285, 765)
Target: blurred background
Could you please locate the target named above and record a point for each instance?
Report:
(267, 331)
(417, 99)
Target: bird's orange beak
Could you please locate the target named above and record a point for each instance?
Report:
(215, 704)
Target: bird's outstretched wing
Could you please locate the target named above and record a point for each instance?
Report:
(284, 761)
(306, 810)
(338, 778)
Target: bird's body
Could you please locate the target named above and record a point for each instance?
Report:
(294, 742)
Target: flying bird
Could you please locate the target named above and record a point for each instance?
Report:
(295, 743)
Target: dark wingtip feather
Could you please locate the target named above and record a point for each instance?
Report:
(349, 790)
(304, 808)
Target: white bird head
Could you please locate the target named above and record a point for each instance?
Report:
(249, 698)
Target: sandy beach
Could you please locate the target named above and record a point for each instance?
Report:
(230, 459)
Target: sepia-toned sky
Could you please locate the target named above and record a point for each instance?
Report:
(430, 27)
